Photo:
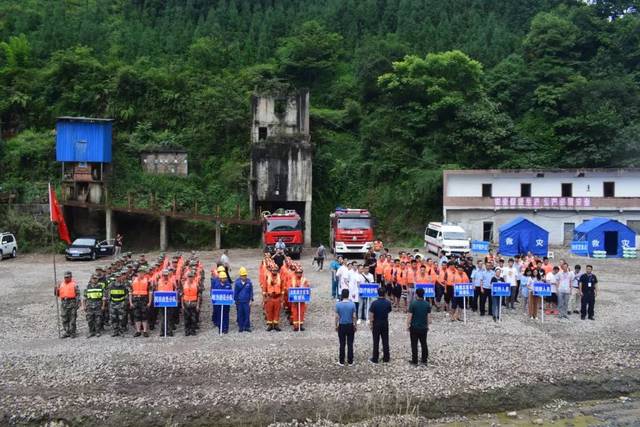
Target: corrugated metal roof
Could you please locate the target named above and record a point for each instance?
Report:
(80, 139)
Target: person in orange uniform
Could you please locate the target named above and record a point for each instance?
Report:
(190, 303)
(379, 270)
(457, 276)
(298, 310)
(69, 294)
(140, 302)
(166, 284)
(273, 298)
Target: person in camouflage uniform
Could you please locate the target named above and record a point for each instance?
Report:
(117, 297)
(69, 296)
(92, 305)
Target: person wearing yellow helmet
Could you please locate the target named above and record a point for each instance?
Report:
(243, 296)
(221, 282)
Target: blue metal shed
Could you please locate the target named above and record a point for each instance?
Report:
(83, 139)
(605, 234)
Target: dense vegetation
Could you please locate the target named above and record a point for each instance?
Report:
(400, 89)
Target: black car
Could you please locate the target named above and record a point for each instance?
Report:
(89, 248)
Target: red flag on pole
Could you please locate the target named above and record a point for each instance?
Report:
(56, 216)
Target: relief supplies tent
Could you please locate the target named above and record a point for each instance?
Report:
(521, 236)
(605, 236)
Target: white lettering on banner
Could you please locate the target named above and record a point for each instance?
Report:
(595, 243)
(540, 242)
(509, 241)
(541, 202)
(586, 202)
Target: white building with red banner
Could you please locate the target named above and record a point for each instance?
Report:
(556, 199)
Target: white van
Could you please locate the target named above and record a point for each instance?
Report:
(449, 238)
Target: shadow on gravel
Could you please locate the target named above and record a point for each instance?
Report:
(468, 404)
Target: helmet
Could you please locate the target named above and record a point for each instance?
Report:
(243, 271)
(222, 275)
(221, 269)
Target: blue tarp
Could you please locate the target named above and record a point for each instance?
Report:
(521, 236)
(598, 231)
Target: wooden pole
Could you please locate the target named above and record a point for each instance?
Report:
(218, 230)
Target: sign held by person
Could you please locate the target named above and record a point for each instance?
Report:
(429, 289)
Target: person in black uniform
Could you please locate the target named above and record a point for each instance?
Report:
(588, 290)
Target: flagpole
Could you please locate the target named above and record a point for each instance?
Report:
(55, 274)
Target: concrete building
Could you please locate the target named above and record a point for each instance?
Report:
(557, 200)
(281, 155)
(165, 162)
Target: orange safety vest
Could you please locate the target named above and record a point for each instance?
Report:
(67, 290)
(166, 285)
(387, 272)
(302, 283)
(380, 267)
(140, 287)
(274, 286)
(190, 292)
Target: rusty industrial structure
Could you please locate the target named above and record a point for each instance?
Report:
(281, 155)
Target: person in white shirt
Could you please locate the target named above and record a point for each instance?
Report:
(575, 285)
(363, 276)
(510, 275)
(552, 279)
(565, 278)
(354, 281)
(342, 274)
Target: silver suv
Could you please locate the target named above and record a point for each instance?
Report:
(8, 246)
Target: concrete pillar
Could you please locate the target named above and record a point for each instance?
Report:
(307, 223)
(163, 233)
(218, 235)
(108, 223)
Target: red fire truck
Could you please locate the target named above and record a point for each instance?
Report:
(286, 225)
(351, 231)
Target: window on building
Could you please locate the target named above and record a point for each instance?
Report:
(567, 190)
(262, 133)
(487, 190)
(525, 190)
(609, 189)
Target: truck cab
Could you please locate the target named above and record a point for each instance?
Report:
(286, 225)
(351, 231)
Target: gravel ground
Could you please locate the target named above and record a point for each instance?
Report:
(288, 377)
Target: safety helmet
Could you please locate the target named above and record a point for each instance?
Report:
(243, 271)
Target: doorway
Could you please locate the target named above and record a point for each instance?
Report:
(568, 228)
(487, 232)
(611, 243)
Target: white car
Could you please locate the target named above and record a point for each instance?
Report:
(8, 246)
(451, 239)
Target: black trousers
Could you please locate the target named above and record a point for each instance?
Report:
(476, 298)
(345, 336)
(484, 296)
(586, 304)
(380, 332)
(418, 335)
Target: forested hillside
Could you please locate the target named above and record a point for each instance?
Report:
(400, 89)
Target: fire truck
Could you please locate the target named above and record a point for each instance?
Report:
(286, 225)
(351, 231)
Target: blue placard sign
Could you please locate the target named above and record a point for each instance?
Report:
(165, 299)
(580, 247)
(541, 289)
(222, 296)
(479, 246)
(463, 290)
(300, 295)
(368, 290)
(500, 289)
(429, 289)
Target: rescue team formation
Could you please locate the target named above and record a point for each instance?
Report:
(122, 295)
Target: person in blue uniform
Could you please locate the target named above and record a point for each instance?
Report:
(221, 282)
(243, 296)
